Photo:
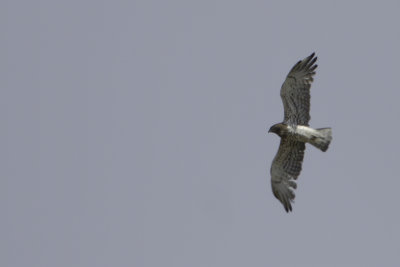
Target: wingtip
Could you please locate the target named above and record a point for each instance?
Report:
(312, 56)
(288, 208)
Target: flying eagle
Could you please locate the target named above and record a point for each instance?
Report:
(294, 131)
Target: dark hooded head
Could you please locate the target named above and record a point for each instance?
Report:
(279, 129)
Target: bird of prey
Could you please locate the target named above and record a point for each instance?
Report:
(294, 131)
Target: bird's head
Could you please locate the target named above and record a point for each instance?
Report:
(277, 129)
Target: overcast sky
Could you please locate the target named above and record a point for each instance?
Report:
(134, 133)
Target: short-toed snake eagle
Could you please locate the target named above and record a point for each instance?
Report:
(294, 131)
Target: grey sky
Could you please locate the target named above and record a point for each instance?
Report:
(134, 133)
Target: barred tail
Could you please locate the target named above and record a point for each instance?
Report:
(322, 139)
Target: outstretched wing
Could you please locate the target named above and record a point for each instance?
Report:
(295, 92)
(285, 168)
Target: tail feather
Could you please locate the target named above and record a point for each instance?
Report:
(322, 139)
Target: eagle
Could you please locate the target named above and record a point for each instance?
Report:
(294, 131)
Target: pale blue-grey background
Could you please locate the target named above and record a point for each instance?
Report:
(134, 133)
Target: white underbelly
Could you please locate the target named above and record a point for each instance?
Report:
(303, 133)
